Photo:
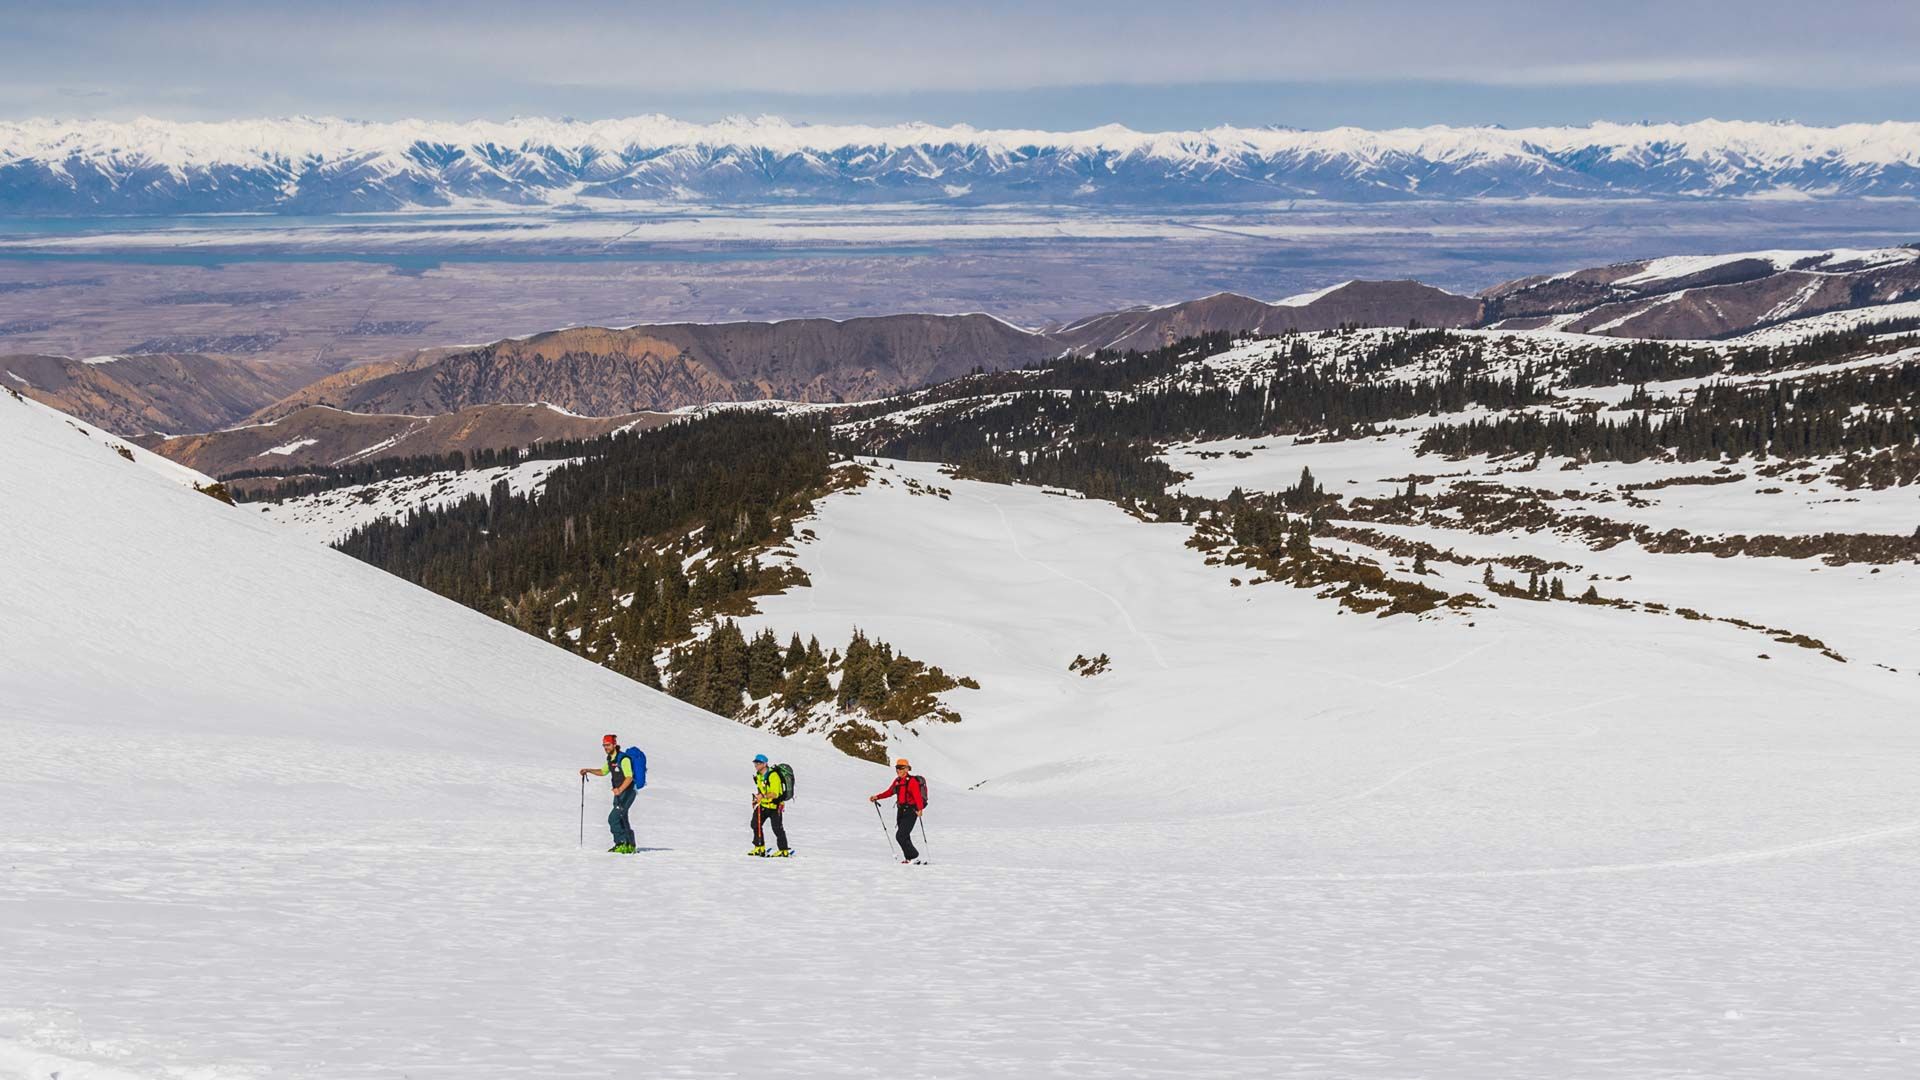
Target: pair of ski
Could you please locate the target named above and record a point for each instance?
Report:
(903, 862)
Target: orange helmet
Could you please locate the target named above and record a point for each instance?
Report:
(900, 763)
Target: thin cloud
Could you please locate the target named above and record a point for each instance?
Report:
(218, 58)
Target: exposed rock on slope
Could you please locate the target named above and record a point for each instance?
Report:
(166, 392)
(601, 371)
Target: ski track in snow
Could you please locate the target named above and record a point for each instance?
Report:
(1451, 664)
(1724, 859)
(1126, 616)
(1431, 763)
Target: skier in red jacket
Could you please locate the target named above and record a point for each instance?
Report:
(909, 793)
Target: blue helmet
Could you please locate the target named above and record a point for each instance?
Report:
(759, 759)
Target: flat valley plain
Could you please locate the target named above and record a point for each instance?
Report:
(331, 292)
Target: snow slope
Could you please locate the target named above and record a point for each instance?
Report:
(46, 415)
(271, 812)
(1675, 267)
(1532, 840)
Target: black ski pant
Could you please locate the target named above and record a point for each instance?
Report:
(905, 818)
(764, 816)
(617, 817)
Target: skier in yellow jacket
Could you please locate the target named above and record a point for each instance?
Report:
(770, 795)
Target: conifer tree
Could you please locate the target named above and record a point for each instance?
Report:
(687, 675)
(727, 669)
(853, 669)
(764, 667)
(634, 659)
(815, 685)
(1298, 545)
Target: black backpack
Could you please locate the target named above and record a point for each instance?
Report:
(786, 781)
(924, 792)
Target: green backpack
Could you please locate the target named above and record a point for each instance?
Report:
(786, 781)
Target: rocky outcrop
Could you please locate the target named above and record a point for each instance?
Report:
(600, 371)
(165, 392)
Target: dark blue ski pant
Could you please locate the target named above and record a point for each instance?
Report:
(617, 817)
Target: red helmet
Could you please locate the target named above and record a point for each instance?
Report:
(609, 740)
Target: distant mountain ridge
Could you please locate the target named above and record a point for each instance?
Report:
(619, 372)
(1363, 303)
(309, 165)
(600, 371)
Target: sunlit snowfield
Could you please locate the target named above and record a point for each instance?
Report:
(271, 812)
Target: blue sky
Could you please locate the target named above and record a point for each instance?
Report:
(1152, 66)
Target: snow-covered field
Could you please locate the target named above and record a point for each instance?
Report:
(1537, 840)
(270, 812)
(1866, 612)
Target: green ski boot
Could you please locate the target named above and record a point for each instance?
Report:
(760, 851)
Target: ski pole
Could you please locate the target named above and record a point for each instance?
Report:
(583, 811)
(922, 818)
(883, 829)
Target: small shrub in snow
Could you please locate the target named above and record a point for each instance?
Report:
(215, 490)
(1089, 667)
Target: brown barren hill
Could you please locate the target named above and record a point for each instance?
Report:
(164, 392)
(1363, 303)
(602, 371)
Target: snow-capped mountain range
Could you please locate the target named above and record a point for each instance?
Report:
(330, 165)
